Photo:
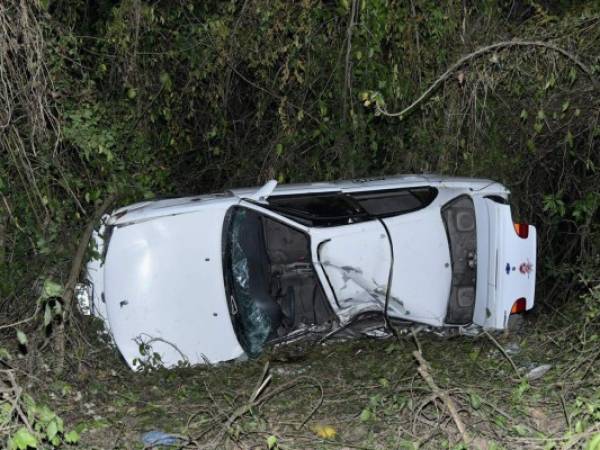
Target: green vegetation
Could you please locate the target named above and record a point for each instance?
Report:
(144, 99)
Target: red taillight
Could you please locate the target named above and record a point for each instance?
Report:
(522, 230)
(519, 306)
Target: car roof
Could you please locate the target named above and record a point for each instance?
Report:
(382, 182)
(159, 208)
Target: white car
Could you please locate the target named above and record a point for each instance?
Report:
(216, 277)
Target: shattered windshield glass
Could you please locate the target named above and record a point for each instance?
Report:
(248, 290)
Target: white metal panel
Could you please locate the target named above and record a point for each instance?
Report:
(511, 266)
(422, 267)
(354, 261)
(164, 286)
(486, 262)
(143, 211)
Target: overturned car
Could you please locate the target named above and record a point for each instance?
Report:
(216, 277)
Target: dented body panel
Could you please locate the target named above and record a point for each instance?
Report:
(175, 277)
(355, 261)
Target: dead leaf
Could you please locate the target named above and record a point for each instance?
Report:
(325, 431)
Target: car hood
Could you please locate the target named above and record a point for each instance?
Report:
(165, 293)
(148, 210)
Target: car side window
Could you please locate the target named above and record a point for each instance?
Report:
(394, 202)
(318, 209)
(337, 208)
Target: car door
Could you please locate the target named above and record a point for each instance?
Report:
(363, 239)
(350, 250)
(421, 269)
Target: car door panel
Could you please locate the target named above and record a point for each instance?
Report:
(355, 260)
(422, 270)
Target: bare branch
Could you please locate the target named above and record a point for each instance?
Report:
(479, 53)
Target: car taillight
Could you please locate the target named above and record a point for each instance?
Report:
(519, 306)
(522, 230)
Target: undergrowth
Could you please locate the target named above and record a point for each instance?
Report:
(146, 99)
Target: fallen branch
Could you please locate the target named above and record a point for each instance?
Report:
(13, 395)
(258, 398)
(425, 371)
(76, 265)
(477, 54)
(164, 341)
(506, 355)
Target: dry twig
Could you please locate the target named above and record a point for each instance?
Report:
(425, 371)
(506, 355)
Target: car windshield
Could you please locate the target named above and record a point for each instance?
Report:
(246, 266)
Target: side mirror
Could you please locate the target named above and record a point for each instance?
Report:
(264, 192)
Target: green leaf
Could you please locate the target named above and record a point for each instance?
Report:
(271, 442)
(475, 401)
(565, 106)
(366, 415)
(51, 289)
(52, 430)
(4, 354)
(279, 149)
(569, 138)
(60, 424)
(45, 415)
(521, 429)
(165, 80)
(524, 115)
(21, 337)
(593, 443)
(72, 437)
(23, 439)
(550, 83)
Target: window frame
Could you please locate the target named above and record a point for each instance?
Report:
(361, 214)
(385, 193)
(226, 261)
(312, 220)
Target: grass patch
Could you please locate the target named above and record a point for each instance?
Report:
(362, 393)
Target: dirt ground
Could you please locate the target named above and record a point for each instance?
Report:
(358, 394)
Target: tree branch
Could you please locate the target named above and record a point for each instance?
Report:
(76, 266)
(425, 372)
(477, 54)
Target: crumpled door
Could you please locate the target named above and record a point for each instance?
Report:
(356, 262)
